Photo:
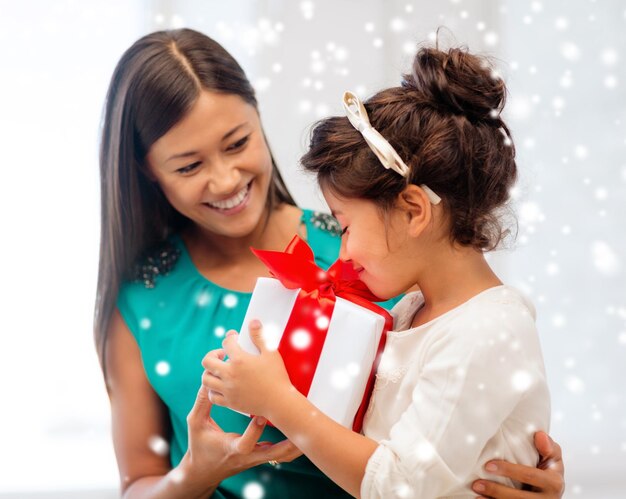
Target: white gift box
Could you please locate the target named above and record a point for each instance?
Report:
(348, 353)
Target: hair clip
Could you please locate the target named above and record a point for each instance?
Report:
(386, 154)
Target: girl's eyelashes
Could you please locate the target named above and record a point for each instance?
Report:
(239, 144)
(344, 230)
(189, 168)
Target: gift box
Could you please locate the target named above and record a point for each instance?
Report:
(325, 326)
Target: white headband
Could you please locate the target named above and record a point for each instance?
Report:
(384, 151)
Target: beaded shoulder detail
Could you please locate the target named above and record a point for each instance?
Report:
(158, 261)
(325, 222)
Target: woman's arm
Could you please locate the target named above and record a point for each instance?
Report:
(546, 480)
(138, 416)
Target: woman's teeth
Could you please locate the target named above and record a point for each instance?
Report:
(231, 202)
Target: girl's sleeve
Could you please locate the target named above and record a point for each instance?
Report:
(472, 377)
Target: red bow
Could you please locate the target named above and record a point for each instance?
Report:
(295, 268)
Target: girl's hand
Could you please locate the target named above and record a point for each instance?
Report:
(246, 382)
(218, 455)
(546, 481)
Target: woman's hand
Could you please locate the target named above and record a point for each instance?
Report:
(218, 455)
(246, 382)
(546, 481)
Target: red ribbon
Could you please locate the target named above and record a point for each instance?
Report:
(295, 268)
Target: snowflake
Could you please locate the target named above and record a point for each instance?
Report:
(300, 339)
(158, 445)
(203, 298)
(272, 335)
(520, 107)
(610, 81)
(253, 490)
(425, 451)
(574, 384)
(403, 490)
(307, 8)
(561, 23)
(604, 258)
(162, 368)
(581, 152)
(609, 57)
(322, 322)
(601, 193)
(521, 381)
(558, 320)
(397, 24)
(353, 369)
(491, 38)
(570, 51)
(530, 213)
(230, 300)
(340, 379)
(177, 475)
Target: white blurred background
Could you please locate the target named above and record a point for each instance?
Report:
(564, 64)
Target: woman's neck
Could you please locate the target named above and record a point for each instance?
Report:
(453, 276)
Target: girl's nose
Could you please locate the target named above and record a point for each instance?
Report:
(343, 251)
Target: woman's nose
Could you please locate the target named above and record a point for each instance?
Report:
(224, 178)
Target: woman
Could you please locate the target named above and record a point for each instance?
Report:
(188, 185)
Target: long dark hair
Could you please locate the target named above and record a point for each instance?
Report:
(154, 85)
(444, 121)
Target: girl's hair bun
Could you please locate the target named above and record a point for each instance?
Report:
(459, 83)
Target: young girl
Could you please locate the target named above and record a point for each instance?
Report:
(416, 178)
(188, 185)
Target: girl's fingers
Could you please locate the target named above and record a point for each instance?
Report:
(256, 335)
(217, 354)
(217, 398)
(230, 344)
(214, 366)
(211, 382)
(213, 362)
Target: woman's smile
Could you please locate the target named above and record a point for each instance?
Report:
(233, 204)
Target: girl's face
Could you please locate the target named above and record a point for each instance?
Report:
(377, 247)
(214, 166)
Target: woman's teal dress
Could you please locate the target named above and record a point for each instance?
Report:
(177, 316)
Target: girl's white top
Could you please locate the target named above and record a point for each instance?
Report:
(451, 394)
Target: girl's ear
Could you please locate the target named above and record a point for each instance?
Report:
(414, 202)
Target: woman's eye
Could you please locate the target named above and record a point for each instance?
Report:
(344, 230)
(189, 168)
(239, 144)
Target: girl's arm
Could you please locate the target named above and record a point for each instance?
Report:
(420, 457)
(260, 385)
(139, 417)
